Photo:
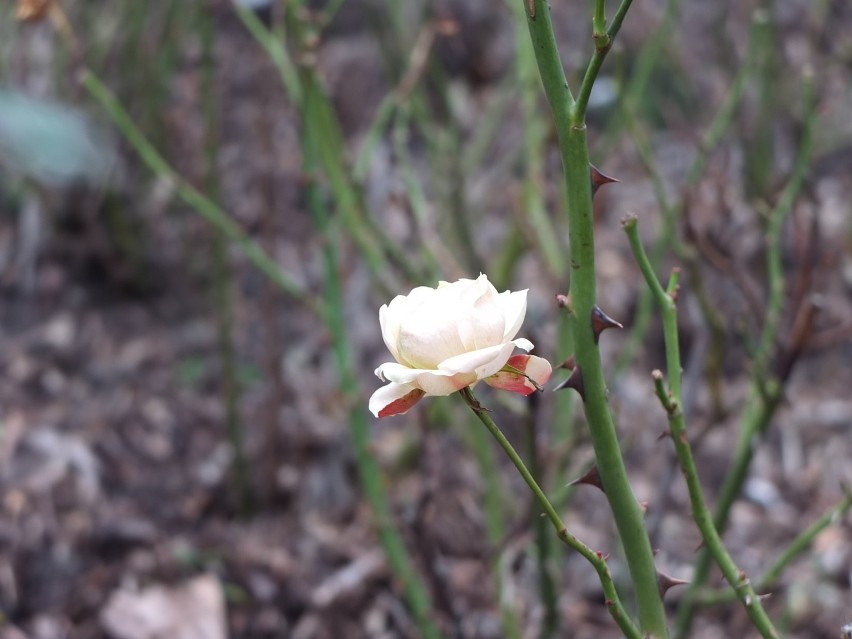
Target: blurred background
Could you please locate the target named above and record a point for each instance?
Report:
(202, 207)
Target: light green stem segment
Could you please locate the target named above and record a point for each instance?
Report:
(571, 131)
(613, 603)
(672, 401)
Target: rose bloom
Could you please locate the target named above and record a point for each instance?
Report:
(444, 339)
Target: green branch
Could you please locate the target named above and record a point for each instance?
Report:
(613, 603)
(800, 544)
(203, 205)
(571, 132)
(672, 400)
(369, 472)
(766, 392)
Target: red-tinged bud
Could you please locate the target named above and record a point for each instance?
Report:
(564, 301)
(664, 582)
(601, 321)
(599, 179)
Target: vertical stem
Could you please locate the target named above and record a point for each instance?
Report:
(493, 502)
(767, 391)
(672, 401)
(571, 131)
(415, 592)
(222, 284)
(543, 546)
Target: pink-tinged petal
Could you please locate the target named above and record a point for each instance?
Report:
(481, 363)
(394, 399)
(513, 306)
(531, 367)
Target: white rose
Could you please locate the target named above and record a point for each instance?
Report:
(444, 339)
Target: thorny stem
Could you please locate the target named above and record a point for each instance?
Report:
(766, 390)
(796, 548)
(672, 400)
(597, 559)
(571, 131)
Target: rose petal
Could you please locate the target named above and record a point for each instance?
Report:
(482, 363)
(389, 323)
(438, 384)
(513, 305)
(394, 399)
(434, 382)
(523, 343)
(481, 324)
(536, 368)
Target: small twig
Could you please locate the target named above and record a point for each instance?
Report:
(603, 44)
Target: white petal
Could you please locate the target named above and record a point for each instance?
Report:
(432, 382)
(481, 363)
(514, 308)
(482, 324)
(523, 343)
(439, 384)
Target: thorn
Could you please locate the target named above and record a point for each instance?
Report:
(575, 381)
(592, 478)
(664, 434)
(664, 582)
(643, 506)
(599, 179)
(569, 364)
(700, 545)
(601, 321)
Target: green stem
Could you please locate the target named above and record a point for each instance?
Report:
(493, 505)
(203, 205)
(571, 132)
(766, 392)
(368, 470)
(222, 277)
(603, 43)
(546, 585)
(613, 603)
(672, 400)
(797, 547)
